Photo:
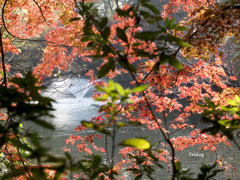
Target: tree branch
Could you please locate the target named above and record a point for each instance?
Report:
(23, 39)
(40, 9)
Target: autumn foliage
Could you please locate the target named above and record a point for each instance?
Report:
(170, 64)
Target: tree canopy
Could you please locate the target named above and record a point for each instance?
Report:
(167, 62)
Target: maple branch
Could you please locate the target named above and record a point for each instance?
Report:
(3, 20)
(9, 154)
(179, 48)
(24, 39)
(165, 135)
(191, 36)
(75, 1)
(146, 76)
(114, 130)
(25, 167)
(176, 78)
(40, 9)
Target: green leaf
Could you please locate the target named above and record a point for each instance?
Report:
(159, 165)
(127, 66)
(140, 88)
(104, 70)
(119, 89)
(88, 124)
(35, 139)
(142, 53)
(169, 23)
(104, 22)
(106, 32)
(210, 103)
(231, 109)
(156, 66)
(13, 173)
(180, 42)
(96, 127)
(150, 154)
(44, 123)
(237, 98)
(111, 85)
(19, 144)
(146, 35)
(231, 102)
(127, 92)
(74, 19)
(137, 143)
(174, 62)
(223, 122)
(96, 161)
(104, 97)
(120, 125)
(151, 7)
(121, 12)
(87, 38)
(163, 58)
(59, 171)
(178, 166)
(136, 44)
(101, 89)
(121, 34)
(181, 28)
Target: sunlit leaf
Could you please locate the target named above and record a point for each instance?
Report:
(111, 85)
(140, 88)
(96, 127)
(119, 89)
(120, 125)
(103, 97)
(137, 143)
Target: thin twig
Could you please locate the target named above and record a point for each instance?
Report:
(25, 167)
(40, 9)
(3, 61)
(191, 36)
(160, 128)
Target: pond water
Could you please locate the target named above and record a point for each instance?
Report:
(74, 104)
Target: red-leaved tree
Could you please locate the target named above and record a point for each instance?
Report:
(174, 67)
